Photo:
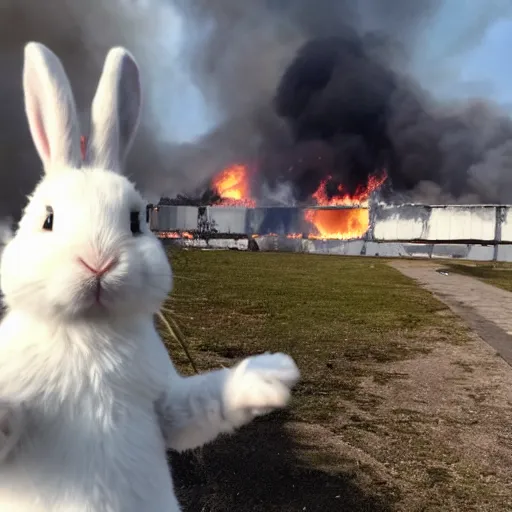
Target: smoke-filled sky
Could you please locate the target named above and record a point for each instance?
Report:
(482, 63)
(479, 68)
(212, 68)
(366, 98)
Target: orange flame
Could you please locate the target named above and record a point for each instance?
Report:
(289, 235)
(360, 198)
(343, 224)
(232, 185)
(175, 234)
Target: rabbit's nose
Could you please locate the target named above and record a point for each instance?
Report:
(98, 272)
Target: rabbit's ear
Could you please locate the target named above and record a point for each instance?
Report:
(50, 108)
(115, 111)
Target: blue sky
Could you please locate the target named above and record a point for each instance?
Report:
(491, 62)
(463, 53)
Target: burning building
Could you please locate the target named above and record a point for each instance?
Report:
(341, 216)
(342, 223)
(320, 118)
(333, 145)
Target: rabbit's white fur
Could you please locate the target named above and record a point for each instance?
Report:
(89, 399)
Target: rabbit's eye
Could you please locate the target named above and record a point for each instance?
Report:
(48, 222)
(135, 223)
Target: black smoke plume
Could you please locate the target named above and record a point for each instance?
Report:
(80, 33)
(300, 89)
(360, 116)
(310, 89)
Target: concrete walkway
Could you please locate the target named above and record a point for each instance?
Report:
(485, 308)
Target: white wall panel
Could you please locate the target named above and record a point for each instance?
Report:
(228, 219)
(431, 223)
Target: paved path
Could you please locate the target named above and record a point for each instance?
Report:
(486, 309)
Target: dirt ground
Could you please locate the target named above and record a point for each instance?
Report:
(485, 308)
(452, 406)
(468, 389)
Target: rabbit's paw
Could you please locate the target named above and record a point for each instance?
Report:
(11, 424)
(259, 385)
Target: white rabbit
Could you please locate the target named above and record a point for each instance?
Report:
(89, 399)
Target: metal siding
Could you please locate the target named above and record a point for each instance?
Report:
(462, 223)
(228, 219)
(504, 253)
(472, 252)
(506, 225)
(432, 223)
(408, 222)
(391, 223)
(274, 220)
(187, 220)
(176, 218)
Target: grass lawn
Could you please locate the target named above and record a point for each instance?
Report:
(498, 274)
(357, 329)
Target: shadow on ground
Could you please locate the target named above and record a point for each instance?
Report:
(258, 470)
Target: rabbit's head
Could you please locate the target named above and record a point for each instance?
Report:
(83, 248)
